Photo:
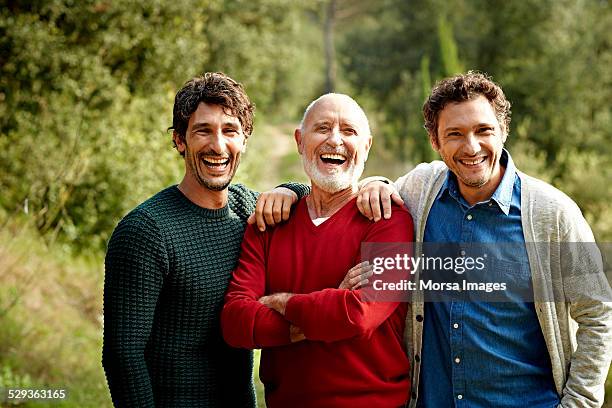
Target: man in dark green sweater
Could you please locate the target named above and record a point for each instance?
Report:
(170, 259)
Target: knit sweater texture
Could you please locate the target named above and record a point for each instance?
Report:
(353, 354)
(168, 265)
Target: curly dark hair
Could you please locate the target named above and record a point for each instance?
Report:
(214, 88)
(461, 88)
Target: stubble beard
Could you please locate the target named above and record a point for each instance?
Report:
(194, 162)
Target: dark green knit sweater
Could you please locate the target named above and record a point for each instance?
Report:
(167, 268)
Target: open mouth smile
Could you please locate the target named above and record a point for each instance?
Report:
(216, 163)
(333, 158)
(473, 162)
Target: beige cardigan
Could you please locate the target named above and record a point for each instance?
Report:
(578, 334)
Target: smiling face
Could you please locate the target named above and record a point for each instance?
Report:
(212, 146)
(470, 141)
(334, 142)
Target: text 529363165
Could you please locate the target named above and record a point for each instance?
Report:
(25, 394)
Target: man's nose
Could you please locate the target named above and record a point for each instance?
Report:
(472, 144)
(217, 142)
(335, 138)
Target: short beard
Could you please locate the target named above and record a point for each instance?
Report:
(474, 183)
(333, 183)
(193, 162)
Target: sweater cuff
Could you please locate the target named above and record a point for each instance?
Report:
(302, 190)
(293, 309)
(270, 332)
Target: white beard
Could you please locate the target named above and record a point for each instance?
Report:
(338, 180)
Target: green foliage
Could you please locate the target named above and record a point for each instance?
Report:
(448, 48)
(551, 58)
(86, 94)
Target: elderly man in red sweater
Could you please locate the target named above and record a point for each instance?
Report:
(323, 345)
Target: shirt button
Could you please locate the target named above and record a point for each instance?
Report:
(455, 325)
(460, 396)
(490, 204)
(469, 217)
(457, 360)
(462, 252)
(419, 318)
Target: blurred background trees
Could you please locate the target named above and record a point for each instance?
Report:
(86, 93)
(86, 88)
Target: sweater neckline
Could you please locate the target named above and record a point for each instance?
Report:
(303, 211)
(210, 213)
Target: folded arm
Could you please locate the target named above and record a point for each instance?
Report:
(245, 321)
(338, 314)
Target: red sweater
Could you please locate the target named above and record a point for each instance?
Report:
(354, 354)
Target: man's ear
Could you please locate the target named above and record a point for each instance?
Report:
(368, 147)
(504, 133)
(297, 135)
(244, 144)
(433, 140)
(178, 142)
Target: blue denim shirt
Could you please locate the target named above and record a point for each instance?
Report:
(484, 354)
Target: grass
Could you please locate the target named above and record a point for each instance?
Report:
(50, 319)
(259, 388)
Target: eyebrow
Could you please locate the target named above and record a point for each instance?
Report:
(343, 123)
(448, 129)
(476, 126)
(201, 125)
(322, 122)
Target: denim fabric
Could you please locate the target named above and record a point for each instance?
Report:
(484, 354)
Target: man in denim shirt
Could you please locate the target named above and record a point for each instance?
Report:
(550, 352)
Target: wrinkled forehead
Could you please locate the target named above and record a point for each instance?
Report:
(337, 109)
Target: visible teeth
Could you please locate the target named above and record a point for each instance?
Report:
(473, 162)
(216, 160)
(333, 156)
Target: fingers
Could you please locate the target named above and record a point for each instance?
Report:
(361, 279)
(273, 207)
(286, 210)
(259, 209)
(268, 211)
(375, 205)
(277, 210)
(385, 202)
(354, 271)
(251, 219)
(397, 199)
(296, 334)
(363, 203)
(357, 276)
(357, 269)
(374, 200)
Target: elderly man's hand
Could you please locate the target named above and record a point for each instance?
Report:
(276, 301)
(357, 276)
(273, 207)
(374, 195)
(296, 334)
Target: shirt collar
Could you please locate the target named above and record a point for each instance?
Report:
(502, 195)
